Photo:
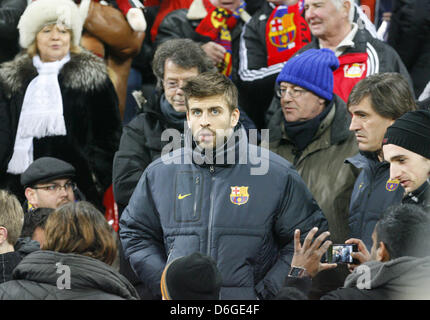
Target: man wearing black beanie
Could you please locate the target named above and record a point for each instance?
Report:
(406, 146)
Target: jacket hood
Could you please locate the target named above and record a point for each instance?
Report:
(25, 246)
(404, 277)
(85, 272)
(85, 72)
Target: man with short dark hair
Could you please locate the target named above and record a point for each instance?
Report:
(48, 183)
(374, 104)
(398, 266)
(174, 62)
(406, 147)
(211, 197)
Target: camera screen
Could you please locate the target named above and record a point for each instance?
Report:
(342, 253)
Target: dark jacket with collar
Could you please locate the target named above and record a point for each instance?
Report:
(177, 25)
(183, 207)
(38, 274)
(91, 115)
(372, 194)
(9, 260)
(421, 196)
(321, 164)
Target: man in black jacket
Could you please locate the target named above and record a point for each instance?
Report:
(221, 196)
(398, 266)
(406, 148)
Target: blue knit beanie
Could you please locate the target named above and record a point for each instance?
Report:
(312, 70)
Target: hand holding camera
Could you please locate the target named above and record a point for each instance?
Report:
(360, 256)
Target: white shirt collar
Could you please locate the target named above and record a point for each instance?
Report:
(347, 42)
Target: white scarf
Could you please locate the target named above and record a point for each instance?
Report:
(41, 113)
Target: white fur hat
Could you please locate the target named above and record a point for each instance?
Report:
(40, 13)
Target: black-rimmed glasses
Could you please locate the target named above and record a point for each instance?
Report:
(68, 186)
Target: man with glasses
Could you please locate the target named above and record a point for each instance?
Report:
(48, 183)
(311, 131)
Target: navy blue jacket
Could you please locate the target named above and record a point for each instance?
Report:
(372, 194)
(177, 209)
(420, 196)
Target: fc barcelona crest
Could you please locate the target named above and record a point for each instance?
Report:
(239, 195)
(282, 31)
(392, 184)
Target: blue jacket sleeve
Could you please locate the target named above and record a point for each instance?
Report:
(142, 237)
